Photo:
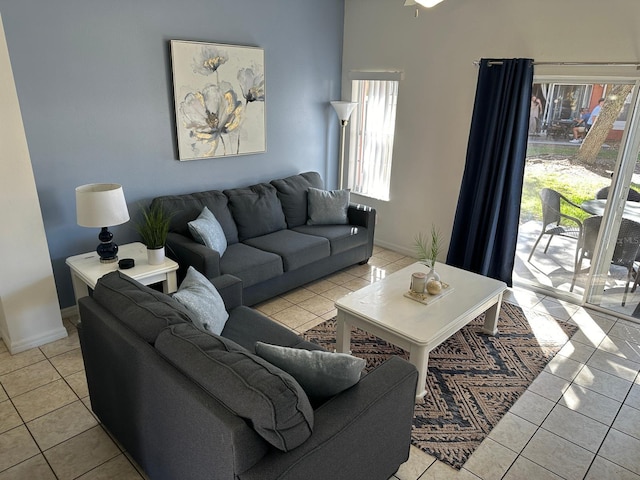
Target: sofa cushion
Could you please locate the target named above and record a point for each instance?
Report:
(207, 230)
(328, 207)
(295, 248)
(187, 207)
(256, 210)
(246, 326)
(203, 302)
(271, 401)
(292, 192)
(144, 310)
(341, 237)
(321, 374)
(250, 264)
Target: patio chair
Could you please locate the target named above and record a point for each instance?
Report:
(552, 203)
(632, 196)
(624, 254)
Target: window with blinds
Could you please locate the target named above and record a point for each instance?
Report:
(371, 136)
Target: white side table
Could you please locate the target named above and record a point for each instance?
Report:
(86, 270)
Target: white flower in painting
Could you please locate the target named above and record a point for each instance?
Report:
(252, 84)
(209, 60)
(210, 115)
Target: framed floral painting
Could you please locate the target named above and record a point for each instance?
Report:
(219, 94)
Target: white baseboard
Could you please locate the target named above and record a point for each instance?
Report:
(36, 340)
(409, 252)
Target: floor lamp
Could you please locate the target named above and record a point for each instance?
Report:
(343, 109)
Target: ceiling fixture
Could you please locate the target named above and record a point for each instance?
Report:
(424, 3)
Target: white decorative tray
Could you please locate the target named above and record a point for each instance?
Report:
(427, 298)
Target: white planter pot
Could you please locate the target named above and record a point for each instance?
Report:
(155, 256)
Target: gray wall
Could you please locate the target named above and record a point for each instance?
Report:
(94, 84)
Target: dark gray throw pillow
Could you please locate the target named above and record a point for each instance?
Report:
(319, 373)
(273, 403)
(256, 210)
(328, 207)
(141, 308)
(292, 192)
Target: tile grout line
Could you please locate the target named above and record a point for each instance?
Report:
(611, 428)
(540, 427)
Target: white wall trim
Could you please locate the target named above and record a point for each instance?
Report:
(35, 340)
(396, 248)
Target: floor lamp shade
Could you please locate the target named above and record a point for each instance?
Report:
(102, 205)
(343, 109)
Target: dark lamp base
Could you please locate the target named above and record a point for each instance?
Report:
(107, 250)
(109, 260)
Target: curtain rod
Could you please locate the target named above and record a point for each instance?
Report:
(574, 64)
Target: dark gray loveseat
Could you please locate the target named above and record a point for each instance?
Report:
(270, 247)
(164, 390)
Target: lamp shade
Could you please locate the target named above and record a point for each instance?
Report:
(101, 205)
(344, 109)
(424, 3)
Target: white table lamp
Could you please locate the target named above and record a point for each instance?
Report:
(102, 205)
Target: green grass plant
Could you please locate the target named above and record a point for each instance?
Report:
(577, 185)
(573, 184)
(538, 150)
(573, 187)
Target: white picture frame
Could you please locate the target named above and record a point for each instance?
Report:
(219, 95)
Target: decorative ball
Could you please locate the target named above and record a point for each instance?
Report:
(434, 287)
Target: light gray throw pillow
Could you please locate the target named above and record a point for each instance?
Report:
(327, 207)
(203, 301)
(319, 373)
(207, 230)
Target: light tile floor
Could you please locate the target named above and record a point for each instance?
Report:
(580, 419)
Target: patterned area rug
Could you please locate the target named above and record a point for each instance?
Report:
(473, 378)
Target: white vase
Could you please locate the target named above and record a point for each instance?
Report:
(155, 256)
(433, 275)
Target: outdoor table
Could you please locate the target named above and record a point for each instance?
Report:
(596, 207)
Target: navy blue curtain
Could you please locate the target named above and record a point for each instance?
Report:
(485, 228)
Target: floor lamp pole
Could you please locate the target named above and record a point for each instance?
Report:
(341, 166)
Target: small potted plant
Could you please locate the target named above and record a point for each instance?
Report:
(153, 227)
(427, 248)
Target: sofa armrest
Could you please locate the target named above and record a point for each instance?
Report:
(361, 215)
(230, 289)
(187, 252)
(364, 216)
(374, 416)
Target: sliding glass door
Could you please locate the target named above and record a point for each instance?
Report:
(581, 167)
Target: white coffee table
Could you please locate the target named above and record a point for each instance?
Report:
(382, 309)
(86, 270)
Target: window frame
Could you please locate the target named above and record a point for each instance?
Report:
(356, 164)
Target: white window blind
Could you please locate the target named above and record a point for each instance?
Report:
(372, 131)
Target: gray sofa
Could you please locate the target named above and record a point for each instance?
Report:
(186, 404)
(270, 246)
